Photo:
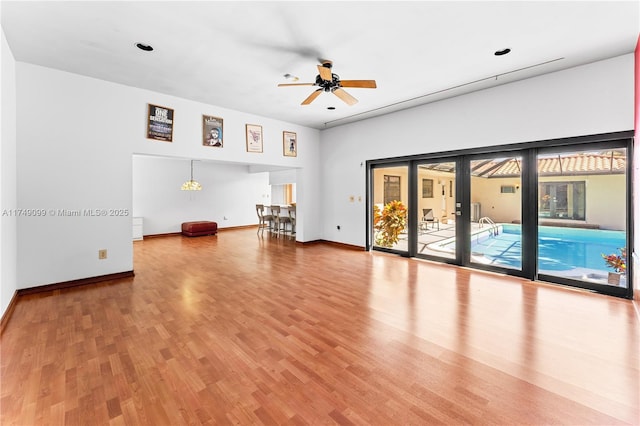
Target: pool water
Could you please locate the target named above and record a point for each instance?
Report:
(559, 249)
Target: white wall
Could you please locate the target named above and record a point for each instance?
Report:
(309, 184)
(228, 196)
(73, 154)
(8, 195)
(278, 195)
(76, 137)
(591, 99)
(278, 181)
(282, 177)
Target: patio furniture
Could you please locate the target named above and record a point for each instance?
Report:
(427, 217)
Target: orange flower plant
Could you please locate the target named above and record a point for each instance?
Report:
(617, 262)
(389, 223)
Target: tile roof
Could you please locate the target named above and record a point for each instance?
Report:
(578, 164)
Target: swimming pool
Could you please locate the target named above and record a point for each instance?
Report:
(559, 249)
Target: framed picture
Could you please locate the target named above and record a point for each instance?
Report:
(289, 144)
(254, 138)
(160, 123)
(211, 131)
(427, 188)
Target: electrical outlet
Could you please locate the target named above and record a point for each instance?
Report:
(102, 254)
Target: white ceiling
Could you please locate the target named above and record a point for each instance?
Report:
(233, 54)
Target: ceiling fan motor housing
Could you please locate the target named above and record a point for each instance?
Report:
(328, 85)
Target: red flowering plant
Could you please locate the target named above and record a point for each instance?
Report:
(617, 262)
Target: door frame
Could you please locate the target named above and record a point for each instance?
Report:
(414, 213)
(369, 239)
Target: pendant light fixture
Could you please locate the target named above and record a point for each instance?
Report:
(191, 185)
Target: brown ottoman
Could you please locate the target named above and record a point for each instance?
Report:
(196, 229)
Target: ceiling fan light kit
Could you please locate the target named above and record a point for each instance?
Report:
(327, 81)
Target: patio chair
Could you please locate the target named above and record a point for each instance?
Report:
(427, 217)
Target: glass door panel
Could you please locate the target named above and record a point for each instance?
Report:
(436, 209)
(582, 215)
(390, 216)
(494, 233)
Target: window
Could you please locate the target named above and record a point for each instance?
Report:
(427, 188)
(562, 200)
(391, 188)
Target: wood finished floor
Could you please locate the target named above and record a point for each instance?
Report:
(236, 329)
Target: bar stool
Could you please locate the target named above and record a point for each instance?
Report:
(275, 217)
(284, 222)
(292, 220)
(264, 220)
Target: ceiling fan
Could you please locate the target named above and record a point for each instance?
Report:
(330, 82)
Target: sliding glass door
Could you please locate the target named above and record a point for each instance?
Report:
(495, 210)
(582, 215)
(468, 211)
(389, 215)
(551, 211)
(436, 209)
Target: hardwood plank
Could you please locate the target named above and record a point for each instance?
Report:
(240, 329)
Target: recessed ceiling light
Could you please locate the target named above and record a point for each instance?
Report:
(144, 46)
(502, 52)
(291, 77)
(331, 108)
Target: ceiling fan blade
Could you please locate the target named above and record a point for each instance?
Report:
(295, 84)
(311, 97)
(325, 73)
(347, 98)
(367, 84)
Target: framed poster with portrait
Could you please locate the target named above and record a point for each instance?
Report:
(254, 138)
(211, 131)
(289, 144)
(159, 123)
